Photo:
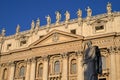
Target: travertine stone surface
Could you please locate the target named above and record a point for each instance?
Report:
(56, 42)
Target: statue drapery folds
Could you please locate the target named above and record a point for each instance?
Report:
(92, 62)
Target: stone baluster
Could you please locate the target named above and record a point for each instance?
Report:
(32, 72)
(80, 68)
(12, 70)
(27, 75)
(65, 67)
(45, 68)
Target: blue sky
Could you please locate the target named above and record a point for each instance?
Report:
(13, 12)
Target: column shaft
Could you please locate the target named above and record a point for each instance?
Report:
(113, 68)
(32, 72)
(27, 76)
(45, 69)
(12, 70)
(1, 73)
(117, 67)
(80, 69)
(65, 68)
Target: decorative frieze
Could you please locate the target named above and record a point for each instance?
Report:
(114, 49)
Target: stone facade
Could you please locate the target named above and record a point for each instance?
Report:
(54, 51)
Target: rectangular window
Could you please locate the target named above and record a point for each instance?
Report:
(22, 43)
(8, 46)
(99, 27)
(73, 31)
(41, 36)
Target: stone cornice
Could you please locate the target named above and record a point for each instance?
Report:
(100, 36)
(100, 16)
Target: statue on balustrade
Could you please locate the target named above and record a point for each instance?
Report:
(92, 62)
(109, 9)
(48, 20)
(18, 28)
(58, 16)
(79, 13)
(67, 16)
(89, 12)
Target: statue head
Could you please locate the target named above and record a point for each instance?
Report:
(89, 43)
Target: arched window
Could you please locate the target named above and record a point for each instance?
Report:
(22, 71)
(5, 74)
(57, 67)
(73, 66)
(40, 70)
(103, 62)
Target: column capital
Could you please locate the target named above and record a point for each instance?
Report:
(45, 58)
(113, 49)
(11, 63)
(33, 59)
(27, 60)
(79, 53)
(65, 55)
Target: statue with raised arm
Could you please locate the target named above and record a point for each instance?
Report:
(18, 28)
(79, 13)
(92, 62)
(89, 12)
(48, 20)
(67, 16)
(109, 9)
(58, 16)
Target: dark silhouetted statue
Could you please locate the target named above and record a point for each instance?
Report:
(92, 62)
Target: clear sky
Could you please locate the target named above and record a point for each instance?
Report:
(13, 12)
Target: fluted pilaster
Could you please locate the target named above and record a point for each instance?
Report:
(32, 72)
(12, 70)
(45, 68)
(65, 67)
(80, 68)
(27, 75)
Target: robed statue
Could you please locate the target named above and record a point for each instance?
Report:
(92, 62)
(58, 16)
(48, 19)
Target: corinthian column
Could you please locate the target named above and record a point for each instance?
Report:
(65, 67)
(27, 75)
(1, 72)
(118, 66)
(12, 70)
(80, 68)
(32, 72)
(45, 68)
(112, 66)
